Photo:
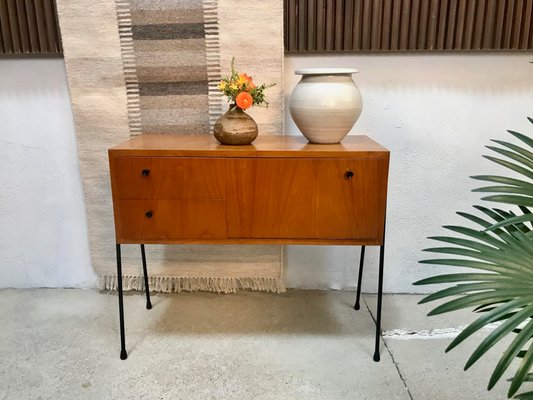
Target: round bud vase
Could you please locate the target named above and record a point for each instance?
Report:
(325, 104)
(235, 127)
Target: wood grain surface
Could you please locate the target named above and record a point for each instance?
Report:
(281, 190)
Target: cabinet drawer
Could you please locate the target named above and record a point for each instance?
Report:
(168, 178)
(171, 219)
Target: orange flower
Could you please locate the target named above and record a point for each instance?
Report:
(245, 79)
(244, 100)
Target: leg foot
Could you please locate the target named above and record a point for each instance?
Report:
(148, 305)
(123, 355)
(376, 357)
(357, 306)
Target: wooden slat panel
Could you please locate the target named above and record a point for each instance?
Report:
(396, 22)
(366, 30)
(406, 25)
(339, 24)
(517, 24)
(320, 25)
(348, 24)
(330, 24)
(311, 24)
(29, 27)
(413, 23)
(423, 25)
(358, 25)
(526, 27)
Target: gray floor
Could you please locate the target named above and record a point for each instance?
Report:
(63, 344)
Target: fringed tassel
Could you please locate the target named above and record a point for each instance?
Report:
(179, 284)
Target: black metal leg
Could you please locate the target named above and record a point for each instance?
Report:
(123, 354)
(145, 272)
(380, 298)
(357, 306)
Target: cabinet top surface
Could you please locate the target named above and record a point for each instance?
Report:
(263, 146)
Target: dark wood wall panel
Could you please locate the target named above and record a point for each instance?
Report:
(29, 27)
(408, 25)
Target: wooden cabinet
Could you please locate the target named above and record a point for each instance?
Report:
(190, 189)
(281, 189)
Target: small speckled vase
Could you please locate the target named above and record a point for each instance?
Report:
(325, 104)
(235, 127)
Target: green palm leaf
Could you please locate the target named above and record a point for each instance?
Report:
(500, 250)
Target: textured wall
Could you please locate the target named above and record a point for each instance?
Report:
(42, 215)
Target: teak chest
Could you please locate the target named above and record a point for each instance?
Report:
(170, 189)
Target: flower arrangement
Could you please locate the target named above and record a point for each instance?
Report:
(241, 90)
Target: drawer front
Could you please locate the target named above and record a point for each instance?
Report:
(168, 178)
(171, 219)
(351, 198)
(271, 198)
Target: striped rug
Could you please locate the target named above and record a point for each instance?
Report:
(170, 52)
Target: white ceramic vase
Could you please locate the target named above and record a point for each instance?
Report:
(325, 104)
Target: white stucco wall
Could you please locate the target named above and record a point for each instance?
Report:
(43, 233)
(434, 113)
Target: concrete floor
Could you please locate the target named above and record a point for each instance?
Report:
(64, 344)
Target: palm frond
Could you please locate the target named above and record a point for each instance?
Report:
(500, 251)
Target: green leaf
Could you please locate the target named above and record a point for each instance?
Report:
(520, 150)
(503, 179)
(475, 300)
(467, 288)
(510, 353)
(513, 156)
(462, 277)
(522, 137)
(525, 396)
(521, 170)
(504, 189)
(453, 262)
(521, 372)
(510, 199)
(512, 221)
(505, 328)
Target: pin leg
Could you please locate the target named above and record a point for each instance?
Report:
(123, 354)
(380, 298)
(145, 272)
(357, 306)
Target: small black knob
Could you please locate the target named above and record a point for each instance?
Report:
(149, 214)
(348, 175)
(145, 172)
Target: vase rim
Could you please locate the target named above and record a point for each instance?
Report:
(326, 71)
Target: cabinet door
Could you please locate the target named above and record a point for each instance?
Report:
(350, 198)
(270, 198)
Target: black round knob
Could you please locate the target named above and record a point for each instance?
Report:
(348, 175)
(149, 214)
(145, 172)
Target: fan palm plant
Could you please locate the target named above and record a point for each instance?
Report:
(499, 254)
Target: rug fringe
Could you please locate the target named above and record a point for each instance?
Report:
(171, 284)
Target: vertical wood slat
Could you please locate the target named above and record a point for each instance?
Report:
(29, 27)
(384, 25)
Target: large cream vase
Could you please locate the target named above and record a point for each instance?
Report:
(325, 104)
